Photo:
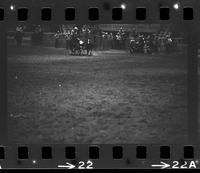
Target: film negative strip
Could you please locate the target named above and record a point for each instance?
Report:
(99, 84)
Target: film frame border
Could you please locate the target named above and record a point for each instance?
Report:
(177, 18)
(133, 156)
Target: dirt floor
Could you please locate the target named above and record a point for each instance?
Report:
(111, 97)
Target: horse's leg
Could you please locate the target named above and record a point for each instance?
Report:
(90, 52)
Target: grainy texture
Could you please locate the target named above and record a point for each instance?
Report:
(111, 97)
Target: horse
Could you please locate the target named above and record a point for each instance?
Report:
(78, 46)
(88, 46)
(134, 46)
(74, 46)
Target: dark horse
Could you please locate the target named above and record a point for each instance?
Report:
(88, 46)
(74, 46)
(136, 46)
(77, 46)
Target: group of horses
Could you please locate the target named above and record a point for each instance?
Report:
(141, 46)
(81, 47)
(150, 46)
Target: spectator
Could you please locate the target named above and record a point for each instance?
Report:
(57, 35)
(19, 35)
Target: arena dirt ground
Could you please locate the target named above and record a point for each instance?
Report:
(111, 97)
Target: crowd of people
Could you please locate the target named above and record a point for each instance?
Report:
(102, 40)
(161, 41)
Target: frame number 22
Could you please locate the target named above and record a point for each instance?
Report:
(85, 165)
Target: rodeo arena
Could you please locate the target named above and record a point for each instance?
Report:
(105, 83)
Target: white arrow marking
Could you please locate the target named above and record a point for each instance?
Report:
(163, 165)
(68, 166)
